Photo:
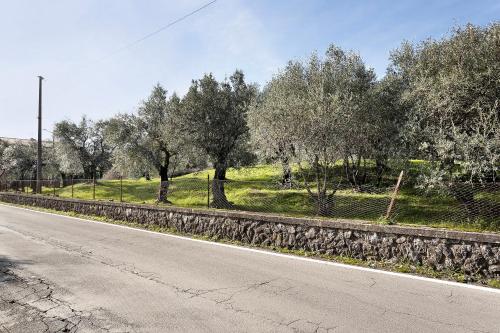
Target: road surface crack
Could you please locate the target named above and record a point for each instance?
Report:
(29, 304)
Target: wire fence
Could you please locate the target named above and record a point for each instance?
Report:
(298, 199)
(456, 203)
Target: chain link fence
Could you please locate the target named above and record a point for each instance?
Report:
(456, 203)
(461, 203)
(299, 199)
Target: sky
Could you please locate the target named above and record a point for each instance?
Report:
(73, 45)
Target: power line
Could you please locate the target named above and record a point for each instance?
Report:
(159, 30)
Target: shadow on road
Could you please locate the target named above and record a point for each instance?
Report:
(6, 266)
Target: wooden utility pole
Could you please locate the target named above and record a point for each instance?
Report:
(39, 150)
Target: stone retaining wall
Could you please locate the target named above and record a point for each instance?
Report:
(468, 252)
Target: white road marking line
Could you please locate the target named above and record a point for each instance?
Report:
(270, 253)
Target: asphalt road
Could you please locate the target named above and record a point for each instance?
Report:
(67, 275)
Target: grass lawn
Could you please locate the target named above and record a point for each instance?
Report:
(256, 189)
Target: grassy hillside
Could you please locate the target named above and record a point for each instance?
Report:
(256, 189)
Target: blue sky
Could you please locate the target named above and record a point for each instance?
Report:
(66, 41)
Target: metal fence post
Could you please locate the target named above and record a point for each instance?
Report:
(54, 185)
(208, 191)
(93, 188)
(394, 194)
(72, 187)
(121, 188)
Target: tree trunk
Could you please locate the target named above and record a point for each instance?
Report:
(89, 172)
(286, 179)
(64, 179)
(219, 196)
(33, 182)
(381, 167)
(349, 172)
(356, 174)
(163, 192)
(464, 194)
(324, 203)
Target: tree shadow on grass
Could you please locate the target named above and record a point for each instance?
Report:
(426, 210)
(361, 207)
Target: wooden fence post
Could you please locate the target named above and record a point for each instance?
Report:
(394, 194)
(208, 190)
(121, 188)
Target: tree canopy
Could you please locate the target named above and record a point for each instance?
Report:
(452, 95)
(149, 140)
(214, 115)
(81, 147)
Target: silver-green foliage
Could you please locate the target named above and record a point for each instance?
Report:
(317, 112)
(215, 118)
(452, 94)
(3, 164)
(18, 160)
(81, 147)
(149, 140)
(215, 122)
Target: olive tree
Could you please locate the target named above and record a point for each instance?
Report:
(215, 122)
(18, 161)
(352, 85)
(316, 106)
(81, 147)
(318, 112)
(387, 119)
(335, 96)
(3, 164)
(454, 108)
(149, 140)
(454, 102)
(270, 124)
